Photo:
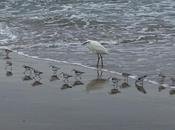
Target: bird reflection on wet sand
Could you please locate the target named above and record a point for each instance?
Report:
(27, 78)
(161, 82)
(114, 91)
(140, 88)
(8, 68)
(77, 83)
(172, 92)
(54, 77)
(97, 83)
(65, 86)
(36, 83)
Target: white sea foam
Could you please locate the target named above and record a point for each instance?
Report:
(7, 33)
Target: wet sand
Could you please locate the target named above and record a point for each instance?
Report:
(78, 104)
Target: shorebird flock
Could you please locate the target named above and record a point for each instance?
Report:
(30, 73)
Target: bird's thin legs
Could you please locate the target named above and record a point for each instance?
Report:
(101, 60)
(98, 60)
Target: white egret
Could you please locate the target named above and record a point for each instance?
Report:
(97, 48)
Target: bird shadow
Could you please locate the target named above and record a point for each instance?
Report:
(77, 83)
(65, 86)
(140, 88)
(54, 77)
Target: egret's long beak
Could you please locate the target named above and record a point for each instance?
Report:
(85, 43)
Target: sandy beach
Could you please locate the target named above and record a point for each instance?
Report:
(84, 103)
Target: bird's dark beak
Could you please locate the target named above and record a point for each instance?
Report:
(85, 43)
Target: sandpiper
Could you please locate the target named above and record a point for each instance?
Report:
(65, 76)
(37, 74)
(27, 69)
(54, 68)
(115, 81)
(139, 81)
(7, 51)
(78, 73)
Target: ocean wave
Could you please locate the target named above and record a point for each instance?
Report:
(6, 34)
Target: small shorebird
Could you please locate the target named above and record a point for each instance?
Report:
(54, 75)
(125, 83)
(141, 78)
(125, 75)
(27, 68)
(37, 74)
(96, 48)
(115, 81)
(78, 73)
(139, 84)
(139, 81)
(54, 68)
(66, 76)
(7, 51)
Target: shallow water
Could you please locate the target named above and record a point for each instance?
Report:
(139, 34)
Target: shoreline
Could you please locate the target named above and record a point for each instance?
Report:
(134, 77)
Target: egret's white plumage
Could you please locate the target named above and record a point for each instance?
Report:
(97, 48)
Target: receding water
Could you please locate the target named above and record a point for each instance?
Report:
(138, 33)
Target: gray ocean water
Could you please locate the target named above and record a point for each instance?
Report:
(138, 33)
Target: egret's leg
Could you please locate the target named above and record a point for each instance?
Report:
(127, 79)
(98, 60)
(101, 60)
